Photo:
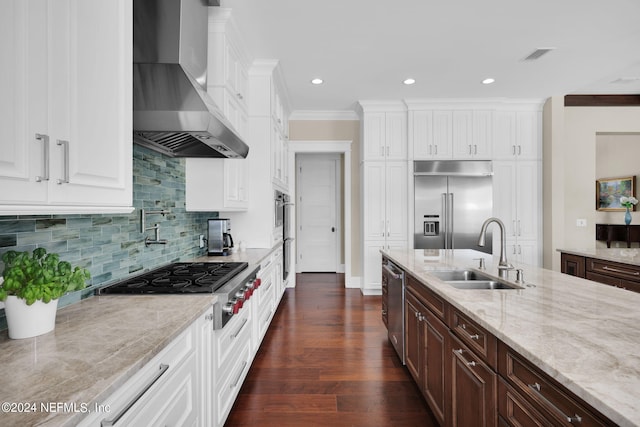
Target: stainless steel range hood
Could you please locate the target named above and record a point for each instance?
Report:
(172, 112)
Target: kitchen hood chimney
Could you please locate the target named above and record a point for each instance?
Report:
(172, 112)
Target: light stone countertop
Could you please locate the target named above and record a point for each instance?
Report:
(96, 346)
(624, 255)
(583, 334)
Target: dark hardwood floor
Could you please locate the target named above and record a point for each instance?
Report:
(326, 361)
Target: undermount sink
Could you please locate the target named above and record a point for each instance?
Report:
(470, 279)
(480, 284)
(458, 275)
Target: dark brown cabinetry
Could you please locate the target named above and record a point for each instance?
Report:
(572, 265)
(473, 388)
(625, 276)
(530, 397)
(618, 233)
(427, 346)
(470, 378)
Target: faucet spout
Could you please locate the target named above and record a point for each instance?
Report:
(503, 265)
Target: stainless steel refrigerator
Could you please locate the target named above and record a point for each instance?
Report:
(452, 200)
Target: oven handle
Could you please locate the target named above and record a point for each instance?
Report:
(395, 275)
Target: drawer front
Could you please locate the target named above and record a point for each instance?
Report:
(515, 410)
(229, 385)
(553, 401)
(621, 271)
(432, 301)
(228, 340)
(476, 337)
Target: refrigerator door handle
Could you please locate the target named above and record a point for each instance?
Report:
(445, 220)
(450, 220)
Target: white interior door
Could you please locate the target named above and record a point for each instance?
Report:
(318, 212)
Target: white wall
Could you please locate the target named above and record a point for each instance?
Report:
(570, 171)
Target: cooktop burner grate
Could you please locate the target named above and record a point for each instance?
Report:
(180, 277)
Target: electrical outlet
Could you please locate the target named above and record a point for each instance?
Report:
(201, 241)
(581, 222)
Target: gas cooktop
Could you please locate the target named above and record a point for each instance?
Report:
(180, 277)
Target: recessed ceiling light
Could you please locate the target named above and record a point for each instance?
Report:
(488, 81)
(409, 81)
(317, 81)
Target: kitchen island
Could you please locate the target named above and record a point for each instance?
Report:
(582, 334)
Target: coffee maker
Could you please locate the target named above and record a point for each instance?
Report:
(219, 240)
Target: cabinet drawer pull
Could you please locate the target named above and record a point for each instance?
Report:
(65, 156)
(473, 337)
(152, 381)
(537, 389)
(239, 329)
(616, 270)
(237, 380)
(45, 157)
(466, 362)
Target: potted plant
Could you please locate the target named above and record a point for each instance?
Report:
(32, 284)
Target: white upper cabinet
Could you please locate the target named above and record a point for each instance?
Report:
(66, 127)
(216, 185)
(227, 75)
(385, 136)
(451, 134)
(517, 135)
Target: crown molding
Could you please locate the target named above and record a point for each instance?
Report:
(323, 115)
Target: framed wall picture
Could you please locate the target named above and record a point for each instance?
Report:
(609, 191)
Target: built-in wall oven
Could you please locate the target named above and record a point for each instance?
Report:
(284, 214)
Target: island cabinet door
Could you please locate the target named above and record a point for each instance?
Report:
(472, 388)
(436, 337)
(413, 337)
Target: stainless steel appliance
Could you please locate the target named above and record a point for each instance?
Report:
(219, 239)
(452, 199)
(232, 282)
(394, 277)
(172, 112)
(283, 216)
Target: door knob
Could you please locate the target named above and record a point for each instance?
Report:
(333, 229)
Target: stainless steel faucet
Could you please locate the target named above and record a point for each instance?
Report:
(503, 265)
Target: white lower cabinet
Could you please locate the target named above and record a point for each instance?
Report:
(233, 354)
(164, 392)
(195, 380)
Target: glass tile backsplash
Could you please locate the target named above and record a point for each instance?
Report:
(112, 247)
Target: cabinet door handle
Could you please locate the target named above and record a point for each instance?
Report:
(513, 149)
(475, 149)
(616, 270)
(436, 149)
(537, 389)
(470, 149)
(65, 157)
(519, 150)
(112, 422)
(45, 157)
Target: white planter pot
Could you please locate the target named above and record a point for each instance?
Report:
(26, 321)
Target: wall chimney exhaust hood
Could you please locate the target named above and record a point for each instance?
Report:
(172, 112)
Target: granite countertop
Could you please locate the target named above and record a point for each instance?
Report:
(623, 255)
(583, 334)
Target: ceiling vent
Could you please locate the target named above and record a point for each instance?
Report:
(536, 54)
(626, 80)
